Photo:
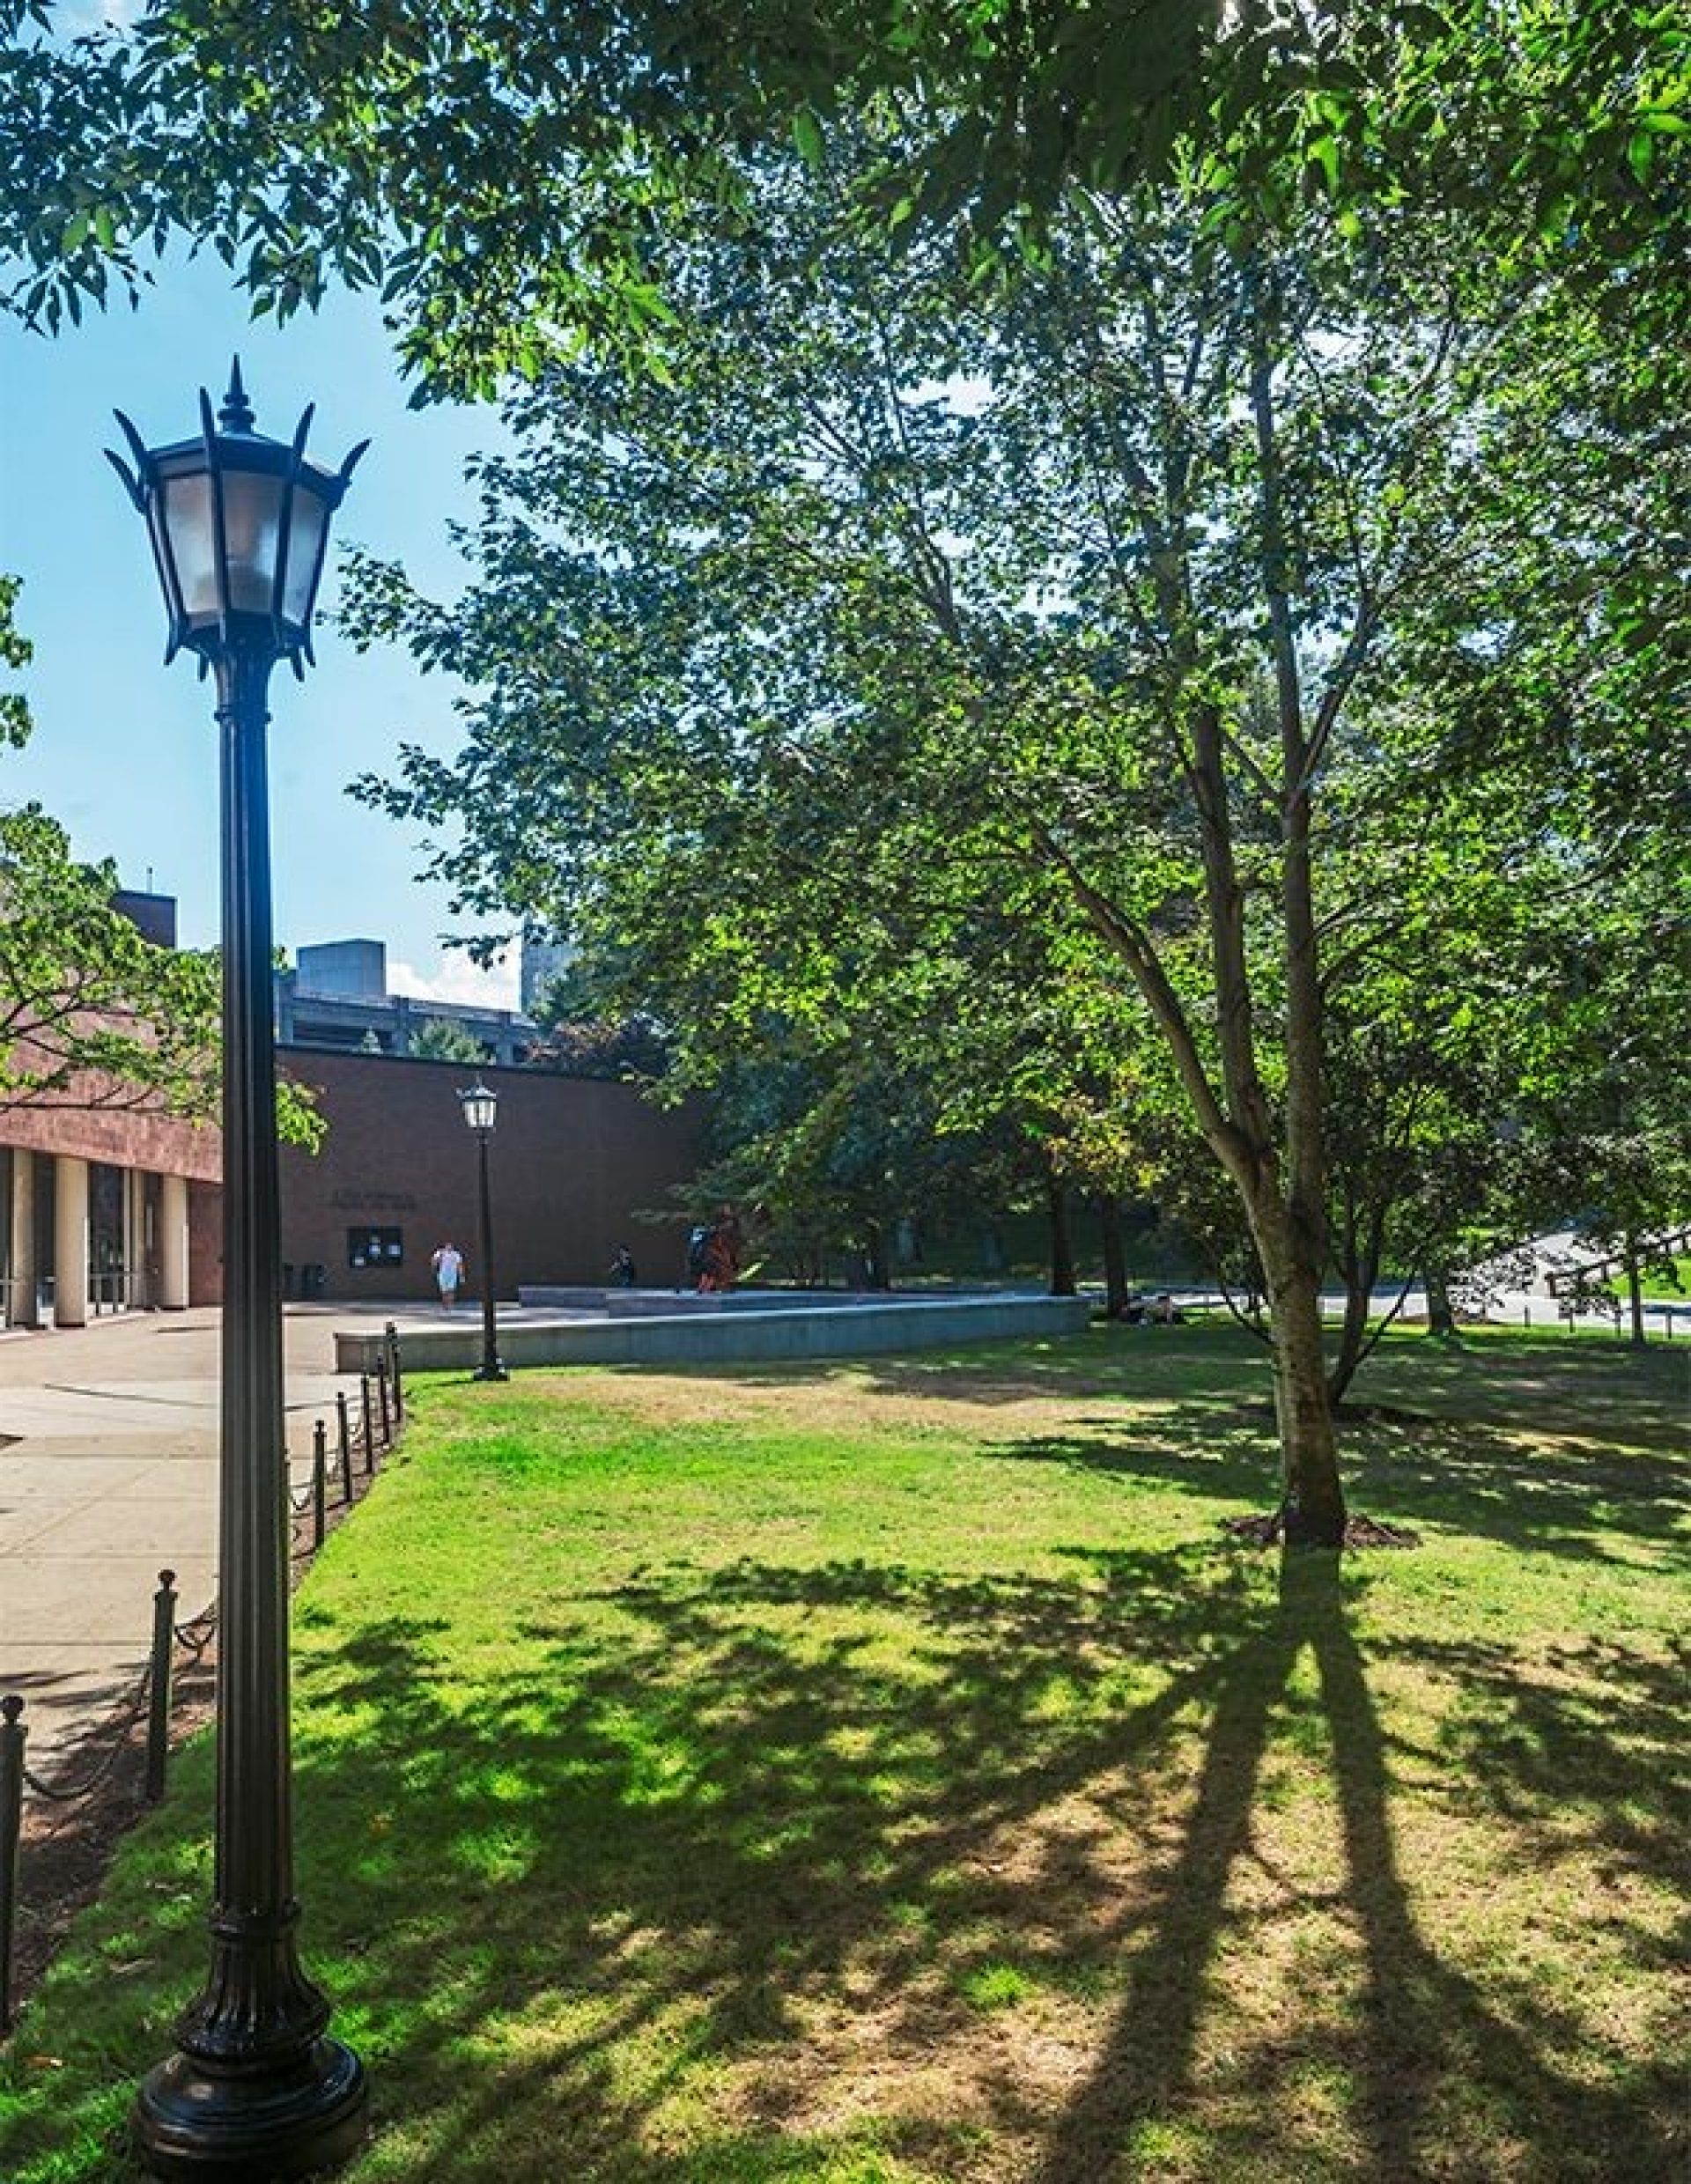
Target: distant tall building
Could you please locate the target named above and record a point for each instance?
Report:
(336, 997)
(353, 970)
(153, 916)
(542, 961)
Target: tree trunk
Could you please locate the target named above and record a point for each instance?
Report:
(1062, 1239)
(1312, 1502)
(1115, 1255)
(1360, 1260)
(1352, 1335)
(1441, 1314)
(1635, 1293)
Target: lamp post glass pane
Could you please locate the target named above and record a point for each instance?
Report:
(481, 1107)
(306, 536)
(192, 539)
(252, 531)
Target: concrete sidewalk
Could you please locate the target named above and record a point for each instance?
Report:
(108, 1474)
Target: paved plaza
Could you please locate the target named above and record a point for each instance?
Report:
(107, 1475)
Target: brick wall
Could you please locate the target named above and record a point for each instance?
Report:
(572, 1162)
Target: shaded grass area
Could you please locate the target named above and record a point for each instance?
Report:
(877, 1773)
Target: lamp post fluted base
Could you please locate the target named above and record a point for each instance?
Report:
(489, 1369)
(248, 2123)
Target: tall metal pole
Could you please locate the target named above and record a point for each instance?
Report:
(490, 1368)
(255, 2089)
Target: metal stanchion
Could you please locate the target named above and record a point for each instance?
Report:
(12, 1734)
(369, 1426)
(394, 1372)
(164, 1639)
(319, 1482)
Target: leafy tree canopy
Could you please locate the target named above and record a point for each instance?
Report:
(504, 175)
(1199, 603)
(444, 1039)
(15, 652)
(90, 1012)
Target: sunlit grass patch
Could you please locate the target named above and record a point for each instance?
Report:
(882, 1774)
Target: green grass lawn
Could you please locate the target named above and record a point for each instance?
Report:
(881, 1771)
(1659, 1285)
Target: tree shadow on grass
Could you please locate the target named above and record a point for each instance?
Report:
(1609, 1390)
(1425, 2024)
(743, 1833)
(762, 1794)
(1579, 1753)
(1570, 1498)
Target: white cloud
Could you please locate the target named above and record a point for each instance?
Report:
(454, 977)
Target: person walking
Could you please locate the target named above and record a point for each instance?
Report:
(448, 1264)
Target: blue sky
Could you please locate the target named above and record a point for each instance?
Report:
(124, 751)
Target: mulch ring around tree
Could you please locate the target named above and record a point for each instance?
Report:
(1360, 1531)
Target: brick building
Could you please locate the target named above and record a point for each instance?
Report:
(114, 1211)
(104, 1212)
(119, 1209)
(574, 1160)
(106, 1209)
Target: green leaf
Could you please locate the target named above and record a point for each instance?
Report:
(806, 136)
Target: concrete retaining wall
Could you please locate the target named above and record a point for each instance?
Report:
(685, 1303)
(836, 1331)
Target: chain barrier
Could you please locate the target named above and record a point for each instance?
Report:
(198, 1632)
(151, 1696)
(73, 1793)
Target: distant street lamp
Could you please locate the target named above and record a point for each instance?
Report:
(481, 1106)
(239, 524)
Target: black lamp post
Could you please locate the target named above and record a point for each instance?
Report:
(481, 1106)
(239, 524)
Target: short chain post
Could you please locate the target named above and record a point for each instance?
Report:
(369, 1425)
(164, 1639)
(394, 1372)
(12, 1734)
(386, 1407)
(319, 1482)
(345, 1430)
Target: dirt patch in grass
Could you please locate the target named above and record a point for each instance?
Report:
(839, 1402)
(1269, 1531)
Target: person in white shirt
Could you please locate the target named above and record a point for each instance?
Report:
(448, 1264)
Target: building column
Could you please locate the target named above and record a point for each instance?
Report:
(21, 1310)
(137, 1285)
(70, 1242)
(172, 1244)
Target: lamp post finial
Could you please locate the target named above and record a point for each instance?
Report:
(236, 414)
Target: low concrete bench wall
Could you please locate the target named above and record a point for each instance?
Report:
(835, 1330)
(684, 1303)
